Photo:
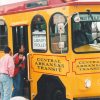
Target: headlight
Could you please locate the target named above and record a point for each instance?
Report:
(87, 83)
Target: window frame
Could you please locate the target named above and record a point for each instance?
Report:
(72, 34)
(34, 50)
(3, 35)
(66, 30)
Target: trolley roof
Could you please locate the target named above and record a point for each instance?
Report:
(42, 4)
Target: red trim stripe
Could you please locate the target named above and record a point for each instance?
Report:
(20, 7)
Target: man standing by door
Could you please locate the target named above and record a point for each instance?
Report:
(6, 73)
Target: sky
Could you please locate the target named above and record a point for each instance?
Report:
(4, 2)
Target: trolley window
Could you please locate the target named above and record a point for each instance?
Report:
(37, 3)
(38, 28)
(58, 33)
(3, 35)
(86, 32)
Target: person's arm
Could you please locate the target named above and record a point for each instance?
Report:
(0, 62)
(11, 66)
(15, 55)
(22, 64)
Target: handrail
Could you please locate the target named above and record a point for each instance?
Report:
(28, 68)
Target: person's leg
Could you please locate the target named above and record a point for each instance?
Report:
(22, 72)
(22, 86)
(16, 84)
(7, 87)
(14, 87)
(1, 91)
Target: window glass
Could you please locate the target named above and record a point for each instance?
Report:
(3, 35)
(86, 32)
(58, 33)
(20, 37)
(38, 28)
(37, 3)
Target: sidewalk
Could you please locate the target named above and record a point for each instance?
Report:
(17, 98)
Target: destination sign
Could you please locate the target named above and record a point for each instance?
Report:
(88, 17)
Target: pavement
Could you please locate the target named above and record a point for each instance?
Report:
(16, 98)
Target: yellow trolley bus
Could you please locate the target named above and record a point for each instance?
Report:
(62, 45)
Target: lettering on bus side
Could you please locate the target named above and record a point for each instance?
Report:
(82, 66)
(50, 64)
(54, 65)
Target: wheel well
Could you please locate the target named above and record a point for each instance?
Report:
(46, 85)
